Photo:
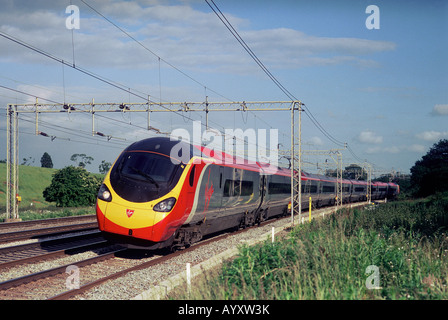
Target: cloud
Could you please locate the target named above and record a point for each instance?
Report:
(417, 148)
(396, 149)
(316, 141)
(392, 150)
(185, 37)
(440, 110)
(432, 136)
(370, 137)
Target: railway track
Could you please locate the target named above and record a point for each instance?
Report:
(36, 251)
(35, 229)
(52, 283)
(102, 270)
(33, 224)
(157, 259)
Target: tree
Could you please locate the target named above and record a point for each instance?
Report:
(27, 161)
(104, 167)
(45, 161)
(430, 174)
(354, 172)
(72, 187)
(81, 159)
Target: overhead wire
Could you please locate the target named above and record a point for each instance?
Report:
(133, 92)
(152, 52)
(84, 71)
(160, 59)
(246, 47)
(103, 79)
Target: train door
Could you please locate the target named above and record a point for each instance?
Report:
(262, 188)
(221, 186)
(191, 188)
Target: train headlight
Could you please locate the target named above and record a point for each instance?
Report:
(104, 193)
(165, 205)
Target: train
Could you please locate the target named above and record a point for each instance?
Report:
(154, 198)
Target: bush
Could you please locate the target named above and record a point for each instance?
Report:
(72, 187)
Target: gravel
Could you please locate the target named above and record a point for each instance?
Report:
(132, 284)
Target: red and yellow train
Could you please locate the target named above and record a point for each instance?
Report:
(153, 199)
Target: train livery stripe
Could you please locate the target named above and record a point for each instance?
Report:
(196, 196)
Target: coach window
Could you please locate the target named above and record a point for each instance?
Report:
(247, 188)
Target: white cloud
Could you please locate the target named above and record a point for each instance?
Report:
(370, 137)
(432, 135)
(377, 149)
(185, 37)
(417, 148)
(396, 149)
(440, 110)
(316, 141)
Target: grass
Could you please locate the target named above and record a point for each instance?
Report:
(329, 258)
(32, 182)
(53, 212)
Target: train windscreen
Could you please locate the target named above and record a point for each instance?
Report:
(141, 176)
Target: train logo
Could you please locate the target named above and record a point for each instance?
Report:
(129, 212)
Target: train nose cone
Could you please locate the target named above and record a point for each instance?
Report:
(136, 222)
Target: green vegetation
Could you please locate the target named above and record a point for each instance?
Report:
(53, 212)
(72, 187)
(45, 161)
(430, 173)
(329, 258)
(32, 181)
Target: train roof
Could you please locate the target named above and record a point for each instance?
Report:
(165, 145)
(226, 159)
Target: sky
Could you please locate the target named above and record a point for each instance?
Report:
(382, 90)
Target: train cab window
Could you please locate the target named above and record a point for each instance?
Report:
(146, 167)
(140, 176)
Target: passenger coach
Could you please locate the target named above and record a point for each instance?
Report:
(153, 197)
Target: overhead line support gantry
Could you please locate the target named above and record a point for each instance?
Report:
(13, 111)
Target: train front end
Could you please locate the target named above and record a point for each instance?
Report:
(139, 202)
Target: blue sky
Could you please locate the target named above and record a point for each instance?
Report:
(383, 91)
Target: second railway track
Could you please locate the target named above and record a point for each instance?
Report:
(95, 271)
(117, 273)
(16, 231)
